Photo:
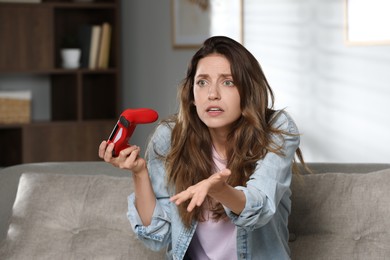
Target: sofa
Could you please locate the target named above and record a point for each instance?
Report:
(77, 210)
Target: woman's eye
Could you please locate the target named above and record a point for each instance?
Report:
(228, 83)
(201, 82)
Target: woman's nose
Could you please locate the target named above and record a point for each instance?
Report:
(213, 92)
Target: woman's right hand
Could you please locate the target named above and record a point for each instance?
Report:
(145, 200)
(127, 159)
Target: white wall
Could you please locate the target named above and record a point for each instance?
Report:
(152, 69)
(338, 95)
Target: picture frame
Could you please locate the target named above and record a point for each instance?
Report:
(193, 21)
(367, 22)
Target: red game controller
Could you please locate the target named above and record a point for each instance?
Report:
(126, 124)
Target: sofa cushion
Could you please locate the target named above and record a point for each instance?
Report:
(341, 216)
(59, 216)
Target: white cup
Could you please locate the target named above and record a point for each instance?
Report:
(70, 58)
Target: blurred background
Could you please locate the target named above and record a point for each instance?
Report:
(338, 93)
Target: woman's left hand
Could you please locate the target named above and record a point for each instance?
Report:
(197, 193)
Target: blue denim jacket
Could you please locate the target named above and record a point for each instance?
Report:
(262, 231)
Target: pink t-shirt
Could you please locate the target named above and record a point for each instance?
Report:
(214, 239)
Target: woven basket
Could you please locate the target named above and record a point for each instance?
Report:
(13, 110)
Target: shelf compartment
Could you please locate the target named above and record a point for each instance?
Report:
(65, 97)
(69, 21)
(11, 145)
(99, 96)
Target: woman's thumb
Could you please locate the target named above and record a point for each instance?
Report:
(225, 173)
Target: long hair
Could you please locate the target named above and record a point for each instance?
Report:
(190, 159)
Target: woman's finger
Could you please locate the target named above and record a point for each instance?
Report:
(102, 149)
(196, 201)
(134, 152)
(181, 197)
(108, 153)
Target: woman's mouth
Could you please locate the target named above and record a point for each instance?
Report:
(214, 110)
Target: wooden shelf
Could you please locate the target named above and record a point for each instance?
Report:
(67, 4)
(60, 71)
(53, 141)
(85, 102)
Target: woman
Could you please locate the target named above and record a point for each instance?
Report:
(216, 182)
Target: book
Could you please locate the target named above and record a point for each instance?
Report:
(85, 34)
(94, 49)
(104, 51)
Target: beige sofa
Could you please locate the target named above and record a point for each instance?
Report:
(77, 210)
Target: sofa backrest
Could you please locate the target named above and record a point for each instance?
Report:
(341, 216)
(67, 216)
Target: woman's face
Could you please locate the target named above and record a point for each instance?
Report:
(216, 98)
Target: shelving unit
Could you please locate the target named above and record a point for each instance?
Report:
(85, 103)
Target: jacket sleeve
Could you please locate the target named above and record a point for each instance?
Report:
(270, 180)
(157, 235)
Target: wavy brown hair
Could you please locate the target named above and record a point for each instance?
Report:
(190, 159)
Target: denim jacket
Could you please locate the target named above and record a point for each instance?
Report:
(262, 231)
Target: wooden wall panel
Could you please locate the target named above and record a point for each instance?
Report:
(64, 141)
(26, 37)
